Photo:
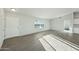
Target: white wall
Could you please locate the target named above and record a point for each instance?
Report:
(57, 24)
(20, 24)
(1, 26)
(12, 24)
(27, 24)
(60, 23)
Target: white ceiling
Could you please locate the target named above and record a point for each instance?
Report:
(46, 12)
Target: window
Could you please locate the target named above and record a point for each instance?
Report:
(39, 23)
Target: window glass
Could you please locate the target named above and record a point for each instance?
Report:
(39, 23)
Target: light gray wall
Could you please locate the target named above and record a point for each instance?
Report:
(20, 24)
(1, 26)
(12, 24)
(76, 22)
(27, 24)
(57, 24)
(60, 23)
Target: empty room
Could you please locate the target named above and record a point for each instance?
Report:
(39, 29)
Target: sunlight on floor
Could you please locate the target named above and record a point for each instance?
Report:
(51, 43)
(45, 44)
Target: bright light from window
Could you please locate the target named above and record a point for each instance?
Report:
(12, 9)
(39, 24)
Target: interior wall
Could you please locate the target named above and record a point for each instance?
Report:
(1, 26)
(76, 22)
(57, 24)
(12, 24)
(20, 24)
(76, 26)
(60, 23)
(27, 24)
